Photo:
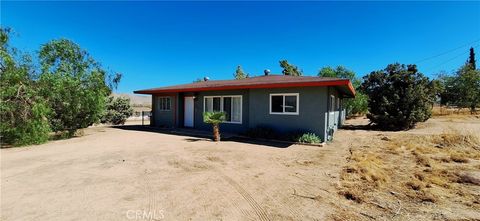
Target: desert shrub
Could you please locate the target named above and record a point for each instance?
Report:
(309, 138)
(118, 110)
(22, 112)
(398, 97)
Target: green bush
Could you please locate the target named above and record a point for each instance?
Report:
(22, 112)
(309, 138)
(69, 92)
(357, 105)
(75, 85)
(118, 110)
(398, 97)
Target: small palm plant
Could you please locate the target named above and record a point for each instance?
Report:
(214, 118)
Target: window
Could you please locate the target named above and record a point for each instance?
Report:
(332, 103)
(230, 105)
(284, 104)
(164, 103)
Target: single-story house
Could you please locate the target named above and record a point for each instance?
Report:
(282, 102)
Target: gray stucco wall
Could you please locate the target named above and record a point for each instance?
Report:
(312, 106)
(163, 118)
(313, 114)
(227, 127)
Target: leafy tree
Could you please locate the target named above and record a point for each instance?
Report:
(118, 110)
(22, 111)
(463, 89)
(339, 72)
(74, 84)
(239, 73)
(214, 118)
(399, 96)
(468, 87)
(471, 59)
(357, 105)
(447, 95)
(290, 69)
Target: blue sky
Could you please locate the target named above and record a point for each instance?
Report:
(163, 43)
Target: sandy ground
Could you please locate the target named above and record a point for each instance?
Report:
(117, 174)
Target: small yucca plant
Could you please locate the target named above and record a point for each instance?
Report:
(214, 118)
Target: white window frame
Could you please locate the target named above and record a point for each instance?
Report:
(221, 106)
(283, 105)
(159, 103)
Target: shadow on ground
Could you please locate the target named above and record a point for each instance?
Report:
(276, 144)
(370, 127)
(199, 135)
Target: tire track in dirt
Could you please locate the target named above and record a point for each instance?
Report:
(152, 207)
(240, 211)
(294, 212)
(287, 205)
(259, 211)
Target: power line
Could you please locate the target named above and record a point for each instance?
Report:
(446, 52)
(451, 59)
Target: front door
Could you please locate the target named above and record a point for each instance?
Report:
(188, 112)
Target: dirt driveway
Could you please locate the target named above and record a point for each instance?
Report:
(115, 174)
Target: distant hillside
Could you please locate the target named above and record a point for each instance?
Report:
(137, 100)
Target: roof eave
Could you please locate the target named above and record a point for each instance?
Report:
(256, 86)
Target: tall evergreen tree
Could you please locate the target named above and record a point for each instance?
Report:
(290, 69)
(471, 59)
(239, 73)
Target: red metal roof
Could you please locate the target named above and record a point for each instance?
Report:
(269, 81)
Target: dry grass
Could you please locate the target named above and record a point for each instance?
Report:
(413, 170)
(444, 111)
